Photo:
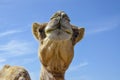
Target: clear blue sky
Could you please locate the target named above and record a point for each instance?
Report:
(97, 56)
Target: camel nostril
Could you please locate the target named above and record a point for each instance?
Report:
(59, 26)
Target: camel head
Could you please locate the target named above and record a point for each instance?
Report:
(58, 28)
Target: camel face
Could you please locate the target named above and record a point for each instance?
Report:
(59, 28)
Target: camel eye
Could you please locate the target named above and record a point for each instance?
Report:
(40, 30)
(76, 34)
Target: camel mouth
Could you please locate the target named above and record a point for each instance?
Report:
(59, 30)
(58, 34)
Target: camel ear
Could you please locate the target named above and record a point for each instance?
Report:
(78, 34)
(7, 66)
(38, 30)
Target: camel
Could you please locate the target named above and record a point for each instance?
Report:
(14, 73)
(57, 39)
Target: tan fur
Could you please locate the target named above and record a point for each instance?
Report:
(36, 28)
(13, 73)
(56, 50)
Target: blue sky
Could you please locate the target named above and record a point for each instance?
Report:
(97, 56)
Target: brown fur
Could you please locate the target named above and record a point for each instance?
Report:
(13, 73)
(56, 51)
